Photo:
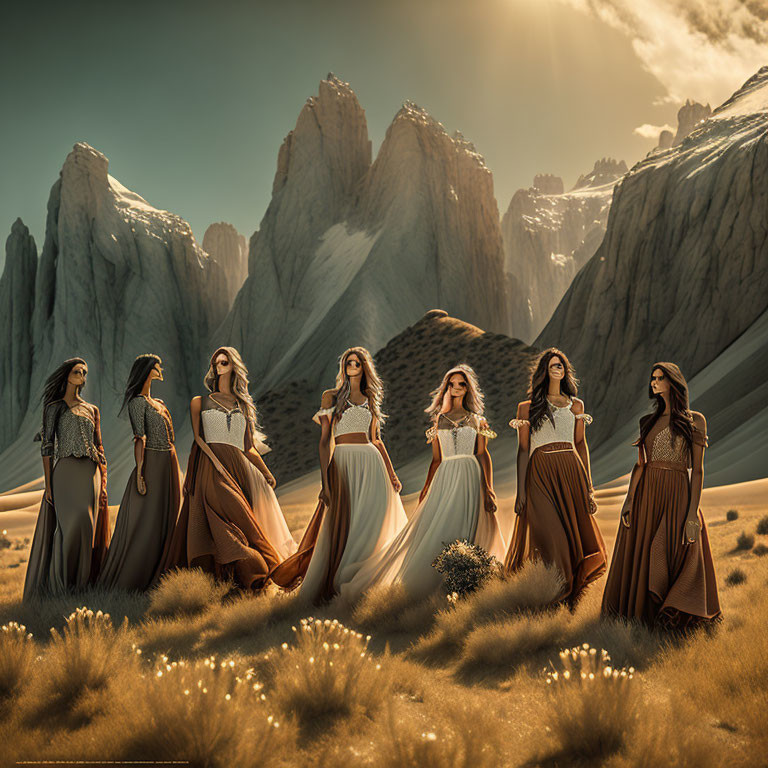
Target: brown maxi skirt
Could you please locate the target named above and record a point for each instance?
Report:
(654, 576)
(145, 524)
(71, 535)
(556, 525)
(216, 529)
(291, 571)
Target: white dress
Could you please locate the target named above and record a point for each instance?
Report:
(453, 509)
(376, 511)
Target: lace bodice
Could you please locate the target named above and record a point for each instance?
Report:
(661, 445)
(221, 425)
(71, 432)
(562, 431)
(354, 418)
(457, 438)
(147, 422)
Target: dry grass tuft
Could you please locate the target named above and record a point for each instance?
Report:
(326, 675)
(762, 526)
(592, 707)
(209, 712)
(185, 592)
(534, 588)
(735, 577)
(390, 610)
(731, 515)
(745, 541)
(78, 666)
(17, 654)
(507, 644)
(760, 550)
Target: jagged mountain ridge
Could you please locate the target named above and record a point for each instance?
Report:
(116, 278)
(352, 252)
(550, 234)
(682, 271)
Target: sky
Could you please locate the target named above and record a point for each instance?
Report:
(191, 100)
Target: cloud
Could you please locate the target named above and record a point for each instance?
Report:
(648, 131)
(699, 49)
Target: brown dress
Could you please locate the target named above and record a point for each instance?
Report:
(146, 522)
(217, 529)
(654, 576)
(71, 535)
(557, 525)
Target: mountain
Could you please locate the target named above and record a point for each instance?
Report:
(682, 273)
(17, 300)
(550, 234)
(229, 249)
(116, 278)
(688, 117)
(411, 365)
(351, 252)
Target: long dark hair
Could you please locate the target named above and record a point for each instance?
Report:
(141, 368)
(56, 384)
(680, 417)
(539, 386)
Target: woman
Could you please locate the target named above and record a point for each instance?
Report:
(230, 524)
(662, 570)
(360, 508)
(150, 504)
(457, 501)
(72, 530)
(555, 500)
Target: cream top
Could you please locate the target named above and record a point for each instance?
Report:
(562, 431)
(354, 418)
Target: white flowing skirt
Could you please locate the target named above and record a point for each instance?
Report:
(376, 514)
(268, 514)
(453, 509)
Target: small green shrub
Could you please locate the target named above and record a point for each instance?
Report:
(745, 542)
(465, 567)
(736, 576)
(731, 515)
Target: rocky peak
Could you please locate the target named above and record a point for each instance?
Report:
(548, 184)
(229, 249)
(17, 298)
(688, 117)
(606, 171)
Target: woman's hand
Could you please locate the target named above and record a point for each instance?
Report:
(141, 485)
(48, 495)
(396, 484)
(691, 529)
(520, 504)
(592, 502)
(625, 513)
(270, 478)
(490, 502)
(324, 497)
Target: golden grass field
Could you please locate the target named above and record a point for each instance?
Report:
(197, 673)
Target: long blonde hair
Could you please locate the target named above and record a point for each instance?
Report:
(370, 384)
(239, 383)
(474, 399)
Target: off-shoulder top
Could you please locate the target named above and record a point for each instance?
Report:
(661, 445)
(229, 426)
(354, 418)
(562, 431)
(153, 425)
(71, 432)
(457, 438)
